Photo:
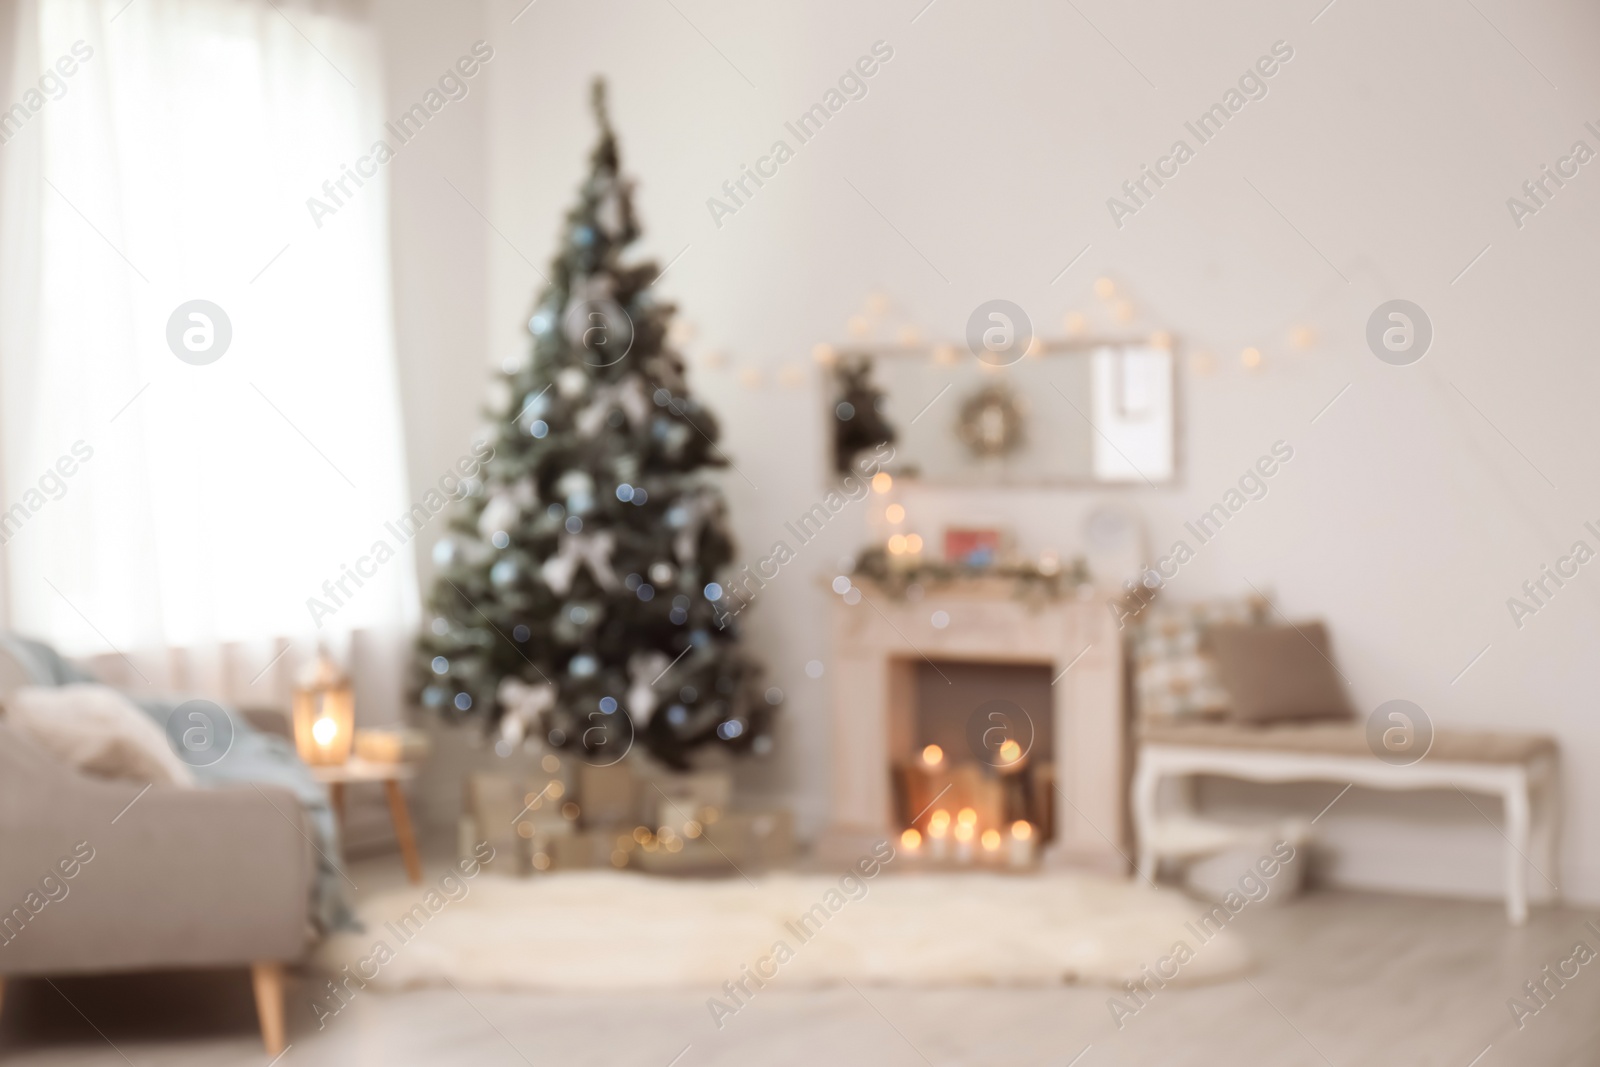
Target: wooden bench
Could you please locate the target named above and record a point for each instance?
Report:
(1520, 769)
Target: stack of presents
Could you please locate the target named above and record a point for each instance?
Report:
(564, 814)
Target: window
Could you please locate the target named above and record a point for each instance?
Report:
(157, 494)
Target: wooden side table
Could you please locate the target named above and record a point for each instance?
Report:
(357, 771)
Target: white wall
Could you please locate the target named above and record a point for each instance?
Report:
(991, 142)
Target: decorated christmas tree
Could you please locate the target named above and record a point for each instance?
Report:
(577, 603)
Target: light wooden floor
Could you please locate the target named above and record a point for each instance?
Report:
(1345, 979)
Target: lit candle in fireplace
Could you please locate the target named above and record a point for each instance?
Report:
(938, 827)
(1020, 853)
(964, 834)
(911, 841)
(991, 845)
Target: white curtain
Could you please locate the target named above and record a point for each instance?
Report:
(174, 164)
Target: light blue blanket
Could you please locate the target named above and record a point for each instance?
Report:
(257, 757)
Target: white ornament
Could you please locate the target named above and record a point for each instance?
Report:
(523, 705)
(693, 513)
(643, 669)
(575, 482)
(628, 395)
(572, 383)
(500, 513)
(593, 550)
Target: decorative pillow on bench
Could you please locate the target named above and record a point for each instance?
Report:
(1174, 674)
(1278, 673)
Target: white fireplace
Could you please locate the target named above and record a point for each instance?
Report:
(878, 643)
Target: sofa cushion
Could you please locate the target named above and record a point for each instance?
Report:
(96, 730)
(1278, 673)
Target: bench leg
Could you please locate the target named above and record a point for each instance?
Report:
(1547, 831)
(1516, 803)
(1146, 789)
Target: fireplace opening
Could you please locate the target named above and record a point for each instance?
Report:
(973, 761)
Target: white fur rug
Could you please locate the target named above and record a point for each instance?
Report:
(607, 931)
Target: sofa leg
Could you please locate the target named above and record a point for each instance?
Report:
(267, 978)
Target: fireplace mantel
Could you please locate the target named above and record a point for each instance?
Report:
(879, 640)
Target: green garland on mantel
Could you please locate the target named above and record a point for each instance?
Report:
(1032, 582)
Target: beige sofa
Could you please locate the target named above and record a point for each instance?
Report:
(176, 878)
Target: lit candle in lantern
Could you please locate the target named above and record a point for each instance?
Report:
(932, 756)
(911, 841)
(324, 713)
(991, 845)
(964, 834)
(1020, 854)
(938, 827)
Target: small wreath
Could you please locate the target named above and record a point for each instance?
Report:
(991, 422)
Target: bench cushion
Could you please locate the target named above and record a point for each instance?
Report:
(1344, 739)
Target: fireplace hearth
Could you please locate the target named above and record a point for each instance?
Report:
(1022, 700)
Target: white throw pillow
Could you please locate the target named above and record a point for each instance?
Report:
(98, 731)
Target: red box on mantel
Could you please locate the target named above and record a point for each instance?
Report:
(974, 546)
